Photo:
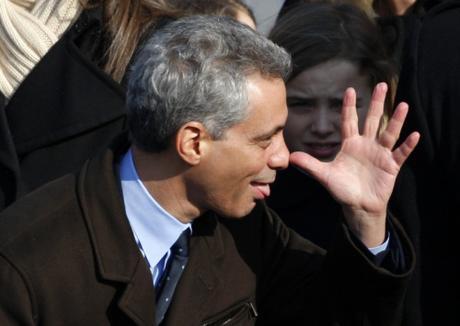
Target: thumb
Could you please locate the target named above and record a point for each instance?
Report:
(309, 164)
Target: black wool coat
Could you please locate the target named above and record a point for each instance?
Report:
(65, 111)
(68, 257)
(430, 84)
(307, 207)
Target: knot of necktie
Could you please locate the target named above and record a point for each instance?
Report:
(180, 247)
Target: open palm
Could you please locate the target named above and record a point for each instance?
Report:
(363, 174)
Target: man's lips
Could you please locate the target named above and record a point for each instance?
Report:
(322, 150)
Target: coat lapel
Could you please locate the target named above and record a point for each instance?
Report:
(138, 299)
(117, 255)
(199, 282)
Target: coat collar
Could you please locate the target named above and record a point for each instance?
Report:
(77, 93)
(117, 255)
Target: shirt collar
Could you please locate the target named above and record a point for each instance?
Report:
(155, 228)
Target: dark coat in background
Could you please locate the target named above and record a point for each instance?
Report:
(430, 83)
(65, 111)
(68, 257)
(308, 208)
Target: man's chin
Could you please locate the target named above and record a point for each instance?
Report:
(241, 212)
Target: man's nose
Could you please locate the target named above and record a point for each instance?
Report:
(279, 159)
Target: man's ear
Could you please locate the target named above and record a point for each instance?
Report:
(192, 142)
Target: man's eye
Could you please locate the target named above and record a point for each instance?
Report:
(265, 143)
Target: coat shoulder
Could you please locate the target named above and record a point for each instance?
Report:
(39, 211)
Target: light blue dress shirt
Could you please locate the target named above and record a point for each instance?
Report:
(154, 228)
(382, 247)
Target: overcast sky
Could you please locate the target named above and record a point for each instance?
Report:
(265, 12)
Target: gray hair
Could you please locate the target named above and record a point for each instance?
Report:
(196, 69)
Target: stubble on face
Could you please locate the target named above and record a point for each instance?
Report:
(239, 168)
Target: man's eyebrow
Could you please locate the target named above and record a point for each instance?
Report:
(270, 133)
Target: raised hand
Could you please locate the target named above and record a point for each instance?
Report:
(363, 174)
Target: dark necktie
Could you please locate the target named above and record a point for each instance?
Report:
(178, 261)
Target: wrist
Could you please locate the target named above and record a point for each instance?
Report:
(369, 228)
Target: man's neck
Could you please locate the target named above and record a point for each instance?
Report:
(162, 176)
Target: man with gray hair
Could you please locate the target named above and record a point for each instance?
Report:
(171, 228)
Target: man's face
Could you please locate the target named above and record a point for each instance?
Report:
(241, 166)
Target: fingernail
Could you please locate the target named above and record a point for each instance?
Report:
(348, 97)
